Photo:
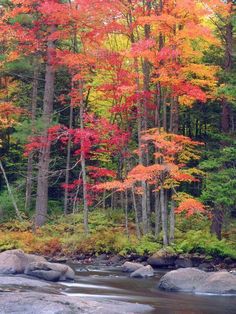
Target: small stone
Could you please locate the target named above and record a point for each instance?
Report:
(143, 272)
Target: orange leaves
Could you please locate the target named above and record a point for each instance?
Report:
(190, 206)
(8, 114)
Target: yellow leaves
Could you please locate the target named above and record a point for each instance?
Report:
(186, 101)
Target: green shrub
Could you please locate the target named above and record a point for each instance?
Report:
(205, 243)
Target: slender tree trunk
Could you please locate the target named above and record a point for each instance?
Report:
(172, 222)
(29, 176)
(68, 158)
(164, 218)
(126, 214)
(44, 159)
(10, 192)
(157, 214)
(83, 165)
(138, 233)
(174, 116)
(228, 66)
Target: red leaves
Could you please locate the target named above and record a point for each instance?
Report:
(192, 91)
(96, 172)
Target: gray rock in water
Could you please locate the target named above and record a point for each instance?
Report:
(218, 283)
(130, 267)
(183, 279)
(143, 272)
(15, 261)
(41, 303)
(198, 281)
(50, 271)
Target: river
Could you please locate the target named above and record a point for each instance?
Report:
(103, 282)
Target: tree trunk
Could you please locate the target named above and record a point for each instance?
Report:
(217, 222)
(68, 157)
(157, 214)
(126, 214)
(138, 233)
(44, 159)
(10, 192)
(174, 116)
(228, 66)
(172, 222)
(29, 176)
(164, 217)
(83, 165)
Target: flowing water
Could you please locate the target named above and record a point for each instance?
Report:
(103, 282)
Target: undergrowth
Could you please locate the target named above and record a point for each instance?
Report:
(107, 234)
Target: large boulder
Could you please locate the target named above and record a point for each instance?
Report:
(130, 267)
(183, 279)
(198, 281)
(218, 283)
(45, 303)
(143, 272)
(50, 271)
(163, 258)
(15, 261)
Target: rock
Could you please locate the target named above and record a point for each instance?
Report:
(50, 271)
(197, 259)
(42, 303)
(218, 283)
(183, 279)
(101, 258)
(206, 266)
(183, 262)
(162, 258)
(61, 260)
(130, 267)
(115, 259)
(143, 272)
(22, 281)
(15, 261)
(233, 272)
(198, 281)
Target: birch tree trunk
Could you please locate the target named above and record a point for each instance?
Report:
(10, 192)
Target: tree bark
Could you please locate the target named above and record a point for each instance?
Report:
(44, 159)
(172, 222)
(10, 192)
(138, 233)
(157, 214)
(83, 164)
(217, 222)
(68, 157)
(228, 66)
(164, 217)
(29, 176)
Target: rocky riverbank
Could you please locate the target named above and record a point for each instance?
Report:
(161, 259)
(44, 303)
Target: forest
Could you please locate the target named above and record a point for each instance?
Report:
(118, 127)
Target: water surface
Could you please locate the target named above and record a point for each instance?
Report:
(103, 282)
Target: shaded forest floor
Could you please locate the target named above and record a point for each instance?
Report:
(64, 237)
